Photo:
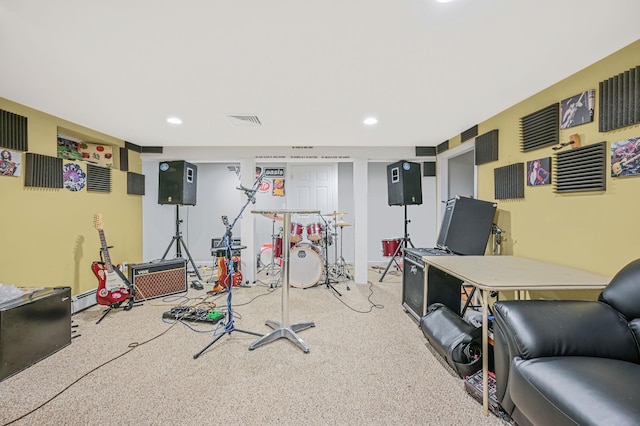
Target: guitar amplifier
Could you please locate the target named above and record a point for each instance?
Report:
(157, 279)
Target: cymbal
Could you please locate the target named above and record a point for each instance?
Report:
(273, 216)
(341, 224)
(334, 214)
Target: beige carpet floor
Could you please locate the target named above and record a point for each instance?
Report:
(368, 364)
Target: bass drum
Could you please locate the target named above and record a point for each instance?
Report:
(305, 265)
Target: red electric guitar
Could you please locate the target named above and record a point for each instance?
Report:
(113, 287)
(224, 270)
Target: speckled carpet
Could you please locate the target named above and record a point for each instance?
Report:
(368, 364)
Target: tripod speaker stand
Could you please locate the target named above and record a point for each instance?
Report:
(406, 241)
(180, 244)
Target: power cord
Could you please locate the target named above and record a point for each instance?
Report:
(373, 305)
(131, 346)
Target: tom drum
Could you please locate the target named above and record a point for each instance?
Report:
(390, 246)
(296, 232)
(315, 231)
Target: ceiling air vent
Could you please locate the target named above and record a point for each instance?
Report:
(241, 120)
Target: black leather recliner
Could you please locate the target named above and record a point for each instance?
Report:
(571, 362)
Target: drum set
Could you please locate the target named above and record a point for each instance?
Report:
(308, 259)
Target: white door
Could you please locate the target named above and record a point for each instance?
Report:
(313, 187)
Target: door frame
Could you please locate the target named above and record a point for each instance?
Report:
(442, 174)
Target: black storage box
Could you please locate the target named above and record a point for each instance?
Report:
(457, 341)
(33, 327)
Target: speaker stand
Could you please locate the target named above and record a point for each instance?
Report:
(180, 244)
(406, 241)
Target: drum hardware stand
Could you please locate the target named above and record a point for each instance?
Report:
(341, 264)
(327, 278)
(228, 323)
(272, 266)
(180, 243)
(405, 242)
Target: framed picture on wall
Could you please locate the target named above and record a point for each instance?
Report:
(577, 109)
(539, 172)
(625, 157)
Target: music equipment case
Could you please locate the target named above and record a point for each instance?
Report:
(157, 279)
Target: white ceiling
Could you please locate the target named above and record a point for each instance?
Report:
(310, 70)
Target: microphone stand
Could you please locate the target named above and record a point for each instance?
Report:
(228, 324)
(327, 280)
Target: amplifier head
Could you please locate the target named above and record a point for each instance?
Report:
(157, 279)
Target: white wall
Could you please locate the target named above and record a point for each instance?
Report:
(217, 196)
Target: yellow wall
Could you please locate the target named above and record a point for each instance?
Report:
(48, 235)
(596, 231)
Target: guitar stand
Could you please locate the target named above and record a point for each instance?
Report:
(180, 244)
(113, 306)
(405, 243)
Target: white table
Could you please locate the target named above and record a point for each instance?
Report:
(284, 329)
(506, 273)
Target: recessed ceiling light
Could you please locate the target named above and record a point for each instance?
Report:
(370, 121)
(443, 1)
(174, 120)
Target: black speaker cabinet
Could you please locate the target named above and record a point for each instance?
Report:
(466, 226)
(157, 279)
(177, 183)
(404, 183)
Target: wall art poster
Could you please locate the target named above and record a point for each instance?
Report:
(74, 178)
(84, 151)
(10, 163)
(539, 172)
(577, 109)
(278, 187)
(625, 157)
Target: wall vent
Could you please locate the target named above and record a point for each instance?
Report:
(582, 169)
(487, 147)
(425, 151)
(469, 133)
(98, 178)
(151, 150)
(442, 147)
(429, 168)
(42, 171)
(509, 181)
(135, 183)
(541, 128)
(244, 120)
(13, 131)
(619, 100)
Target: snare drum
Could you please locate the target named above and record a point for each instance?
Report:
(390, 246)
(314, 231)
(305, 265)
(296, 232)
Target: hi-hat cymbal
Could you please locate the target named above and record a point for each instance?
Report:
(341, 224)
(334, 214)
(273, 216)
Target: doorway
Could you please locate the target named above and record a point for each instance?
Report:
(456, 174)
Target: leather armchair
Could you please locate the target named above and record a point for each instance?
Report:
(571, 362)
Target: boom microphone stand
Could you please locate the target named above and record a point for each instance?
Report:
(405, 241)
(228, 324)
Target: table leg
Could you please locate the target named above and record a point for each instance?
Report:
(284, 329)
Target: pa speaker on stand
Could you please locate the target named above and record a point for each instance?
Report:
(404, 187)
(177, 183)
